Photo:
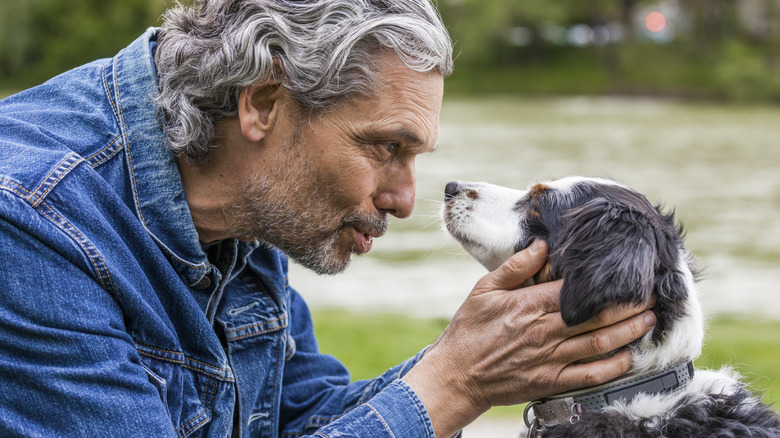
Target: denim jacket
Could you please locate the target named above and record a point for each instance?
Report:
(114, 319)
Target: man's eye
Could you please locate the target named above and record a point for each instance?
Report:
(390, 147)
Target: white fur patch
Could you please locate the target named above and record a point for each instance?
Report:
(484, 220)
(683, 341)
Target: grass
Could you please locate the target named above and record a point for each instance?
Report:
(369, 344)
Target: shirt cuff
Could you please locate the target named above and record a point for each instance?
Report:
(395, 412)
(402, 411)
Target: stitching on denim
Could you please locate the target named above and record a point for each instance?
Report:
(108, 92)
(85, 245)
(17, 189)
(124, 133)
(70, 161)
(207, 418)
(206, 373)
(381, 419)
(420, 407)
(105, 158)
(178, 353)
(202, 363)
(96, 255)
(121, 116)
(164, 359)
(53, 171)
(206, 407)
(67, 228)
(116, 118)
(282, 318)
(198, 267)
(182, 362)
(249, 335)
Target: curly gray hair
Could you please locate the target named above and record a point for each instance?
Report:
(323, 50)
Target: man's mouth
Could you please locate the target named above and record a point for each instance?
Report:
(365, 228)
(364, 239)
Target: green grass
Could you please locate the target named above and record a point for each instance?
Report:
(369, 344)
(751, 346)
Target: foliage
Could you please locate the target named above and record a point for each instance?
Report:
(501, 45)
(745, 73)
(40, 38)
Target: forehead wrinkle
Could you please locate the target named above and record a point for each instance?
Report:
(409, 137)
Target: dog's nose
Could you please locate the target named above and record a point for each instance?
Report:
(451, 190)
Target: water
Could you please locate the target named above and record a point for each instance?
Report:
(717, 166)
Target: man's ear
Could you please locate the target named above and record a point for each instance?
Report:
(607, 255)
(258, 106)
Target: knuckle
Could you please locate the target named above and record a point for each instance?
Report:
(549, 378)
(535, 337)
(636, 329)
(601, 319)
(624, 365)
(599, 343)
(516, 263)
(593, 377)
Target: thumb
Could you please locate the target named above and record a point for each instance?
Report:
(519, 268)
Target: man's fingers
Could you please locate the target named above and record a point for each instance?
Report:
(577, 376)
(607, 339)
(519, 268)
(611, 315)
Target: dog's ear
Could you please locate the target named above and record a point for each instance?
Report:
(607, 253)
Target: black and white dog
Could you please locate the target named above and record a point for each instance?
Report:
(610, 245)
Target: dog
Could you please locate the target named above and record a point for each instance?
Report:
(611, 245)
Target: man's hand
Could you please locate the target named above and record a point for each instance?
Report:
(507, 346)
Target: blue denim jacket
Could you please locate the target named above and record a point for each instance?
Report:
(115, 321)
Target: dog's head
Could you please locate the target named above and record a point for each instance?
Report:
(608, 243)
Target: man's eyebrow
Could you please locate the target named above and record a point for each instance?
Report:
(406, 134)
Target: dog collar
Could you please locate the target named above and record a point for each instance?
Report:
(569, 406)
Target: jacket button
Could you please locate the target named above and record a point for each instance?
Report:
(203, 283)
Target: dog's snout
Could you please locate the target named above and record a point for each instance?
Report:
(451, 190)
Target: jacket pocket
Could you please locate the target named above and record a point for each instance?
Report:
(160, 384)
(187, 394)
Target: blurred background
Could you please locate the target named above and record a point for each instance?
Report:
(699, 49)
(677, 98)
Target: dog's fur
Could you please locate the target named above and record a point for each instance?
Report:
(610, 245)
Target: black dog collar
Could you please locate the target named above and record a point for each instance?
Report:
(569, 406)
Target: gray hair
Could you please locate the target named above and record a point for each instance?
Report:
(321, 51)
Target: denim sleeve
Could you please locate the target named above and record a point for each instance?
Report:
(319, 399)
(67, 366)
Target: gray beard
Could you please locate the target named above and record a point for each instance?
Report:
(297, 219)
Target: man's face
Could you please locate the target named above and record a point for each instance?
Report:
(326, 185)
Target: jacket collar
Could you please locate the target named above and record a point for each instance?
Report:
(158, 191)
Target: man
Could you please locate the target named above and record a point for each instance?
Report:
(148, 203)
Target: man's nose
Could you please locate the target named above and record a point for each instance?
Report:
(398, 197)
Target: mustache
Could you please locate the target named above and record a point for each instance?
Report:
(366, 221)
